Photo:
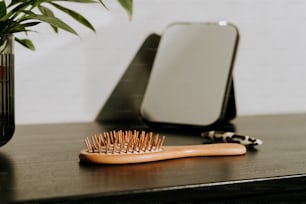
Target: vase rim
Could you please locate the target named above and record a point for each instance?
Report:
(6, 43)
(6, 34)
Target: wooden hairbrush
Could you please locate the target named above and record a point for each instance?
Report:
(126, 147)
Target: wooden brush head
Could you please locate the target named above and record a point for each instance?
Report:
(120, 142)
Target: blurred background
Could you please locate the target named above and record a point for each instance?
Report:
(69, 78)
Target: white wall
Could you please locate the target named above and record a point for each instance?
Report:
(69, 78)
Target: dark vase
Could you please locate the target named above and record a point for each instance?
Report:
(7, 104)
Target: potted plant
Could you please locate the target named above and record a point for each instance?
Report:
(21, 16)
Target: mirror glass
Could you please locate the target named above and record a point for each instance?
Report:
(191, 74)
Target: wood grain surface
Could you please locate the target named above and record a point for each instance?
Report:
(40, 164)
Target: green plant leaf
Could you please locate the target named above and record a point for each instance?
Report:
(30, 24)
(21, 6)
(26, 43)
(47, 12)
(2, 9)
(84, 1)
(54, 22)
(75, 15)
(128, 6)
(19, 28)
(76, 1)
(22, 27)
(19, 15)
(14, 2)
(103, 4)
(17, 7)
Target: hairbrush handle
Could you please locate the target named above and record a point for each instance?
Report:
(205, 150)
(167, 152)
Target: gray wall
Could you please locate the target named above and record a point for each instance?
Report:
(69, 78)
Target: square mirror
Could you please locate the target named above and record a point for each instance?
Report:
(191, 77)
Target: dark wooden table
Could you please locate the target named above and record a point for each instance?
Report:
(41, 165)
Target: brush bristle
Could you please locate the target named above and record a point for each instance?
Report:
(118, 142)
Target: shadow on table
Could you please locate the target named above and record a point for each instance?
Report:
(6, 178)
